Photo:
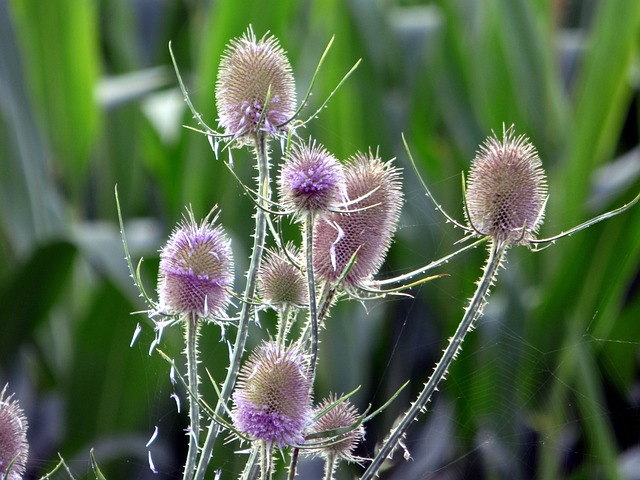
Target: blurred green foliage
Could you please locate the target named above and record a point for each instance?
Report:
(548, 384)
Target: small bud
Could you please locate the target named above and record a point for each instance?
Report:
(506, 189)
(341, 415)
(14, 448)
(272, 401)
(196, 269)
(251, 73)
(367, 229)
(311, 180)
(281, 283)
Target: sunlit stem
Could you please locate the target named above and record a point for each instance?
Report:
(191, 329)
(251, 468)
(262, 158)
(266, 461)
(432, 265)
(330, 465)
(311, 284)
(284, 324)
(471, 314)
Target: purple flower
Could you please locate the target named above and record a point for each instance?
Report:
(366, 229)
(272, 401)
(13, 438)
(506, 189)
(311, 180)
(196, 269)
(253, 72)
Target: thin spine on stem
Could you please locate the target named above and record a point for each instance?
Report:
(472, 313)
(259, 237)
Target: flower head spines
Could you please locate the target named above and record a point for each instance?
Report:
(367, 229)
(311, 179)
(341, 415)
(281, 282)
(272, 401)
(196, 270)
(506, 189)
(254, 74)
(14, 448)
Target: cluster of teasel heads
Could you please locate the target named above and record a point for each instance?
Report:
(348, 212)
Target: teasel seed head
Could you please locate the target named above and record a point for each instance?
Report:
(280, 281)
(342, 415)
(506, 189)
(253, 72)
(311, 180)
(196, 270)
(272, 401)
(13, 438)
(366, 229)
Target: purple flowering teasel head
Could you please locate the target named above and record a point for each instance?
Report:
(506, 190)
(311, 180)
(366, 229)
(254, 74)
(196, 270)
(14, 448)
(272, 401)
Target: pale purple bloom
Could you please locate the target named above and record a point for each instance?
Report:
(254, 74)
(272, 401)
(311, 180)
(13, 438)
(196, 270)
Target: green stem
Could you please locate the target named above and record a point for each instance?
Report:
(262, 158)
(471, 314)
(330, 465)
(311, 284)
(192, 327)
(284, 324)
(266, 461)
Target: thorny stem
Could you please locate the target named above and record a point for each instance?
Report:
(284, 323)
(266, 451)
(262, 157)
(311, 284)
(471, 314)
(330, 465)
(294, 463)
(192, 327)
(251, 467)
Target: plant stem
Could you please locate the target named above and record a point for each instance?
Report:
(311, 284)
(192, 327)
(259, 236)
(471, 314)
(330, 465)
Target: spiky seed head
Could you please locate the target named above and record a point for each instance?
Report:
(343, 414)
(14, 448)
(254, 74)
(272, 401)
(506, 189)
(366, 229)
(311, 180)
(196, 270)
(280, 282)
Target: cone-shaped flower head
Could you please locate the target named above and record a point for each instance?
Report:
(341, 415)
(272, 400)
(196, 270)
(280, 282)
(311, 180)
(506, 189)
(14, 448)
(254, 74)
(367, 229)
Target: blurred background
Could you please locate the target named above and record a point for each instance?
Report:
(547, 386)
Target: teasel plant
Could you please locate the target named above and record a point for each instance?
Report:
(504, 204)
(256, 101)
